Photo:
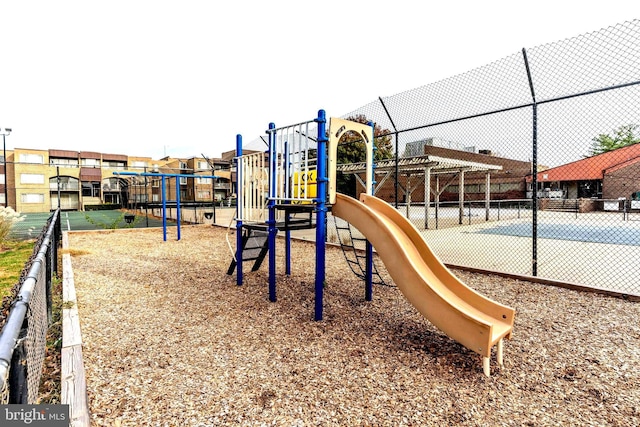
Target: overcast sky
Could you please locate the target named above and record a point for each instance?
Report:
(181, 78)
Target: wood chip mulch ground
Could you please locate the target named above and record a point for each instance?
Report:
(169, 339)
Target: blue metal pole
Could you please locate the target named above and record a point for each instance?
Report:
(271, 223)
(239, 203)
(178, 206)
(321, 212)
(164, 209)
(368, 293)
(287, 247)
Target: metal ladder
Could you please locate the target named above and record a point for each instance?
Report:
(255, 245)
(355, 256)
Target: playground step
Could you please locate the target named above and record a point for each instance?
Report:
(294, 222)
(255, 245)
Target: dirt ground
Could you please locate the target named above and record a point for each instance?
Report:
(170, 339)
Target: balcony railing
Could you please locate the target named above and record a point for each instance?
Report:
(63, 187)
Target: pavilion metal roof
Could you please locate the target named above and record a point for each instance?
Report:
(418, 164)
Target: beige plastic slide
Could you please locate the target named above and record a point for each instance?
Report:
(468, 317)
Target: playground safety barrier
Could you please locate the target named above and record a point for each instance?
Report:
(551, 109)
(23, 336)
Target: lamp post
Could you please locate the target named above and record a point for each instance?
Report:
(5, 132)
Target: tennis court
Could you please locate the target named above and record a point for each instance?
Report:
(32, 224)
(615, 235)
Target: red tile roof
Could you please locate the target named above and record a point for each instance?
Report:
(592, 168)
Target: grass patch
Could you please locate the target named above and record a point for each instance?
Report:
(13, 256)
(50, 382)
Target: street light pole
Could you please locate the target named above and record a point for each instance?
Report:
(6, 132)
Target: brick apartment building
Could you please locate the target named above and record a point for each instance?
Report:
(41, 180)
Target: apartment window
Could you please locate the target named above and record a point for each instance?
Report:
(155, 197)
(203, 165)
(2, 179)
(114, 165)
(31, 158)
(91, 189)
(204, 195)
(32, 198)
(139, 164)
(111, 184)
(183, 165)
(66, 163)
(155, 183)
(31, 178)
(2, 199)
(90, 163)
(112, 198)
(67, 183)
(183, 180)
(139, 198)
(508, 186)
(203, 180)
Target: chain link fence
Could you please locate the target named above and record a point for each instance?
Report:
(28, 314)
(562, 122)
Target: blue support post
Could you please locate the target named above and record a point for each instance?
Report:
(368, 293)
(287, 251)
(164, 209)
(287, 239)
(239, 212)
(178, 207)
(321, 213)
(271, 223)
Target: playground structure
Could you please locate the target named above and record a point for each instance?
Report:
(288, 180)
(163, 179)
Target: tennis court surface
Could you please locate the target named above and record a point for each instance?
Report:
(32, 224)
(615, 235)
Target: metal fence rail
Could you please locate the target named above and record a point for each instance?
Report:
(23, 336)
(540, 110)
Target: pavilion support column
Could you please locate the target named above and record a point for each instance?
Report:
(460, 197)
(437, 200)
(487, 195)
(408, 195)
(427, 196)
